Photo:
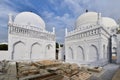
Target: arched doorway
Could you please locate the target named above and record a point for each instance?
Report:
(70, 53)
(19, 51)
(93, 53)
(80, 54)
(36, 51)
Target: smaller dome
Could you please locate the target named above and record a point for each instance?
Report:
(108, 22)
(26, 18)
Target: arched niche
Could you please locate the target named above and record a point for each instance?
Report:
(70, 53)
(93, 53)
(36, 51)
(19, 51)
(80, 54)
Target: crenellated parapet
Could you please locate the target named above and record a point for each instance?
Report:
(79, 35)
(83, 29)
(76, 34)
(27, 31)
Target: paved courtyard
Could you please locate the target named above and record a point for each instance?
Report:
(107, 74)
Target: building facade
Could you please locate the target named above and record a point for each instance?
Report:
(89, 43)
(28, 38)
(118, 48)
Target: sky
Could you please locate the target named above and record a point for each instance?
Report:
(60, 14)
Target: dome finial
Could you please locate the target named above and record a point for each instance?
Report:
(86, 10)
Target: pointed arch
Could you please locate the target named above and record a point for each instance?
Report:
(70, 53)
(80, 53)
(19, 51)
(36, 51)
(93, 53)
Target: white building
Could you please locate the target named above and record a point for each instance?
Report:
(89, 43)
(118, 46)
(28, 39)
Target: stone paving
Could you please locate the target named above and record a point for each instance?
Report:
(107, 73)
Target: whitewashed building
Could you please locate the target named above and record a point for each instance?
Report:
(28, 38)
(89, 43)
(118, 48)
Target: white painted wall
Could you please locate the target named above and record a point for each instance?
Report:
(118, 48)
(92, 47)
(4, 55)
(33, 48)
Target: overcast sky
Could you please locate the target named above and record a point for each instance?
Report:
(56, 13)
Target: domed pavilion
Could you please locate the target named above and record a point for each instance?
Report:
(89, 42)
(28, 38)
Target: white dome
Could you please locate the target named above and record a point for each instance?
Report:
(89, 17)
(108, 22)
(92, 18)
(29, 18)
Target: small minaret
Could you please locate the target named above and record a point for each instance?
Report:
(66, 31)
(54, 30)
(99, 19)
(10, 19)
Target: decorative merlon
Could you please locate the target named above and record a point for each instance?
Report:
(66, 31)
(10, 18)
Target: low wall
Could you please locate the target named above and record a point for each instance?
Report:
(4, 55)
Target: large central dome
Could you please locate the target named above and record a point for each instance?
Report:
(29, 18)
(89, 17)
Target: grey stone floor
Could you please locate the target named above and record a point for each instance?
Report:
(107, 73)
